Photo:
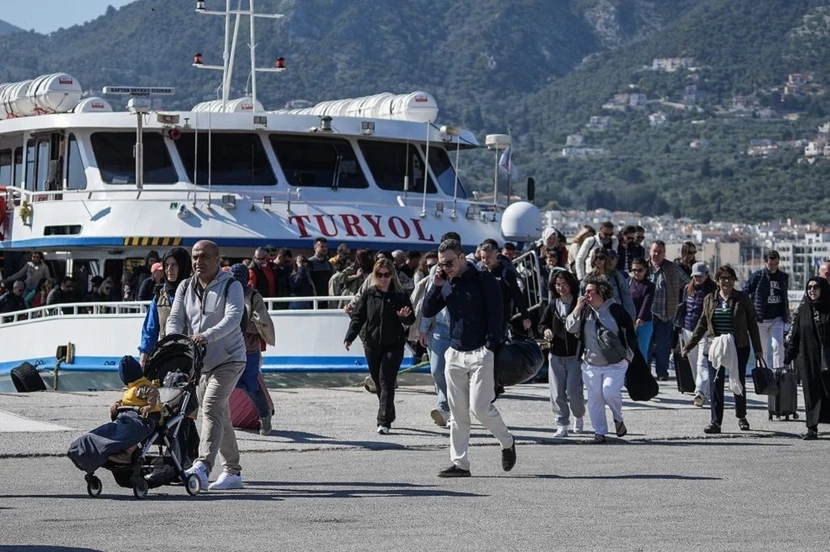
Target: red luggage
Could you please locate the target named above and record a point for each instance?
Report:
(243, 412)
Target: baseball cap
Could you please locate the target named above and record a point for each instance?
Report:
(700, 269)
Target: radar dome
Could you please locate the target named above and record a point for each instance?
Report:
(521, 222)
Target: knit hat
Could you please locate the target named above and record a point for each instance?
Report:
(240, 273)
(129, 370)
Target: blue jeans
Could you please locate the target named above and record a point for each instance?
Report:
(437, 344)
(644, 334)
(249, 381)
(662, 345)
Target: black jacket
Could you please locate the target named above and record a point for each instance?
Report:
(512, 297)
(564, 344)
(378, 311)
(473, 302)
(11, 302)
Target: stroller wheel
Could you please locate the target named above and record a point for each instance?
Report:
(193, 485)
(93, 486)
(140, 489)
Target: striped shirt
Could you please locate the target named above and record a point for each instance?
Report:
(722, 318)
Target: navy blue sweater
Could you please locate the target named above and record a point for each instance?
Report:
(474, 304)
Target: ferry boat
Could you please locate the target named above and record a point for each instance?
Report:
(375, 172)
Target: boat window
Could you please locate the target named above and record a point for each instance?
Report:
(114, 154)
(42, 165)
(75, 175)
(235, 159)
(442, 168)
(318, 162)
(6, 171)
(390, 162)
(30, 165)
(18, 166)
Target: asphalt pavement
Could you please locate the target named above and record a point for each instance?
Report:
(324, 480)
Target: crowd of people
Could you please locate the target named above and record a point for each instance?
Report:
(608, 305)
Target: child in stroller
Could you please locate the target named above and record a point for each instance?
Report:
(124, 446)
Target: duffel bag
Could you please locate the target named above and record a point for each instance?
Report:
(518, 360)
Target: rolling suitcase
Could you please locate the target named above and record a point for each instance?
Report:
(785, 402)
(683, 373)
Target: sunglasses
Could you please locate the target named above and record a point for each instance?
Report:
(813, 286)
(726, 278)
(447, 264)
(383, 274)
(638, 270)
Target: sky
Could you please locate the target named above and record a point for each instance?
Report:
(45, 16)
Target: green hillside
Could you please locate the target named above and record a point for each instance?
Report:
(541, 69)
(8, 28)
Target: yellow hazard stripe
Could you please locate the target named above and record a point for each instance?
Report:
(146, 241)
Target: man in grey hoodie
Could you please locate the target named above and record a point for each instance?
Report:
(209, 307)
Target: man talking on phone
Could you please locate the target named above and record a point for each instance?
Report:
(473, 302)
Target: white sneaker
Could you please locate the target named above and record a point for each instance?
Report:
(201, 472)
(578, 425)
(227, 481)
(383, 430)
(439, 416)
(561, 432)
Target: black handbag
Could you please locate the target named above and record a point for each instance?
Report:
(764, 379)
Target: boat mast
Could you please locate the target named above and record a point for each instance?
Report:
(230, 47)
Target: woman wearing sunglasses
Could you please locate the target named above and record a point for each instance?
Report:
(808, 338)
(642, 293)
(729, 313)
(379, 318)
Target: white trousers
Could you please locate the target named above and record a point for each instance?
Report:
(604, 385)
(699, 364)
(773, 330)
(471, 387)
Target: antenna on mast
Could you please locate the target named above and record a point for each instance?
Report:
(230, 46)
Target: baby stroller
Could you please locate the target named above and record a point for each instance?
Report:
(162, 457)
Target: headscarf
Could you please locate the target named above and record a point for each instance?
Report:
(185, 268)
(823, 303)
(240, 273)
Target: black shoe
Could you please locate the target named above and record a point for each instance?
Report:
(712, 428)
(508, 457)
(662, 378)
(598, 440)
(622, 431)
(743, 424)
(811, 435)
(454, 471)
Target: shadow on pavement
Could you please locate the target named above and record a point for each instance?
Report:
(668, 476)
(44, 548)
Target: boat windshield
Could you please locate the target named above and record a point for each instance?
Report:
(318, 162)
(114, 154)
(443, 170)
(235, 159)
(391, 162)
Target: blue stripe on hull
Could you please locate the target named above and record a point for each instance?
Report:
(271, 364)
(70, 242)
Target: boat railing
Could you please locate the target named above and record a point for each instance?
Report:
(267, 199)
(128, 309)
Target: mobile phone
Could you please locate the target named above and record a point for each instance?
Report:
(441, 274)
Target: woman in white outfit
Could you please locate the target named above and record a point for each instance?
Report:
(605, 331)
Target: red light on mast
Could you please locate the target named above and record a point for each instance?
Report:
(280, 64)
(197, 59)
